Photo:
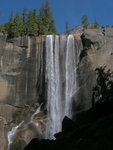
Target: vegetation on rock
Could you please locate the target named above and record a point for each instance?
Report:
(103, 90)
(85, 21)
(83, 52)
(67, 28)
(87, 25)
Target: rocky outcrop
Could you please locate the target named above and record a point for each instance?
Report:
(22, 74)
(92, 130)
(99, 53)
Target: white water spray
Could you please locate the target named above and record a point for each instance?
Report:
(11, 134)
(53, 96)
(36, 113)
(60, 92)
(70, 75)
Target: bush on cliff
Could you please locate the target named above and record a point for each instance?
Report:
(103, 90)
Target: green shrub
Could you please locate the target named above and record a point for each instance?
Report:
(83, 52)
(103, 90)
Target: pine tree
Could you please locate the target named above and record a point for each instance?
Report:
(9, 27)
(33, 23)
(67, 27)
(30, 23)
(18, 25)
(47, 22)
(24, 18)
(36, 22)
(96, 24)
(49, 18)
(42, 22)
(85, 21)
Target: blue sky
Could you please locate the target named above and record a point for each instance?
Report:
(64, 10)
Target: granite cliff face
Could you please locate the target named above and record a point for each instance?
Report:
(22, 75)
(99, 53)
(21, 67)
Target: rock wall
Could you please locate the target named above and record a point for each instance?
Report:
(100, 53)
(22, 74)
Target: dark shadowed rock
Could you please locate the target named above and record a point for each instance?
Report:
(35, 144)
(67, 124)
(89, 134)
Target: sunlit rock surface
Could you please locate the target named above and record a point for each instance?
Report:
(20, 65)
(23, 82)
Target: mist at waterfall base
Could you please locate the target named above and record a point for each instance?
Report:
(61, 63)
(11, 134)
(14, 131)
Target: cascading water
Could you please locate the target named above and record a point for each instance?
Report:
(28, 49)
(70, 65)
(53, 96)
(58, 105)
(36, 113)
(60, 75)
(11, 134)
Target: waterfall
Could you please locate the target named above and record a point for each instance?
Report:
(36, 113)
(70, 74)
(28, 49)
(11, 134)
(52, 75)
(26, 86)
(60, 63)
(58, 105)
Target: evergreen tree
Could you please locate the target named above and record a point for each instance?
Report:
(67, 27)
(46, 19)
(9, 27)
(2, 29)
(24, 18)
(96, 24)
(42, 25)
(36, 22)
(49, 18)
(85, 21)
(18, 25)
(33, 23)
